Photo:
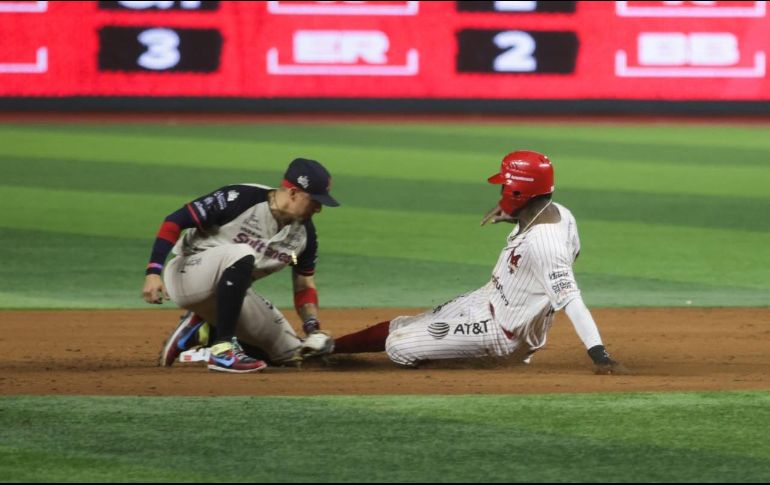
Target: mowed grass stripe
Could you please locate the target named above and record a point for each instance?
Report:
(138, 216)
(725, 146)
(588, 170)
(625, 437)
(727, 134)
(675, 209)
(641, 177)
(704, 144)
(16, 299)
(85, 175)
(66, 466)
(232, 154)
(56, 270)
(86, 213)
(576, 415)
(435, 196)
(638, 228)
(61, 270)
(611, 290)
(698, 255)
(682, 254)
(674, 253)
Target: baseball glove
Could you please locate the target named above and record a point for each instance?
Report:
(317, 344)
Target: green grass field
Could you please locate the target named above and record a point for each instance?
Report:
(558, 438)
(669, 215)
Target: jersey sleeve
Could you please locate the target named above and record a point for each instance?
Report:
(552, 267)
(224, 205)
(214, 209)
(307, 259)
(167, 236)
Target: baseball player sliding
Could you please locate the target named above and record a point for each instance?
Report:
(512, 313)
(236, 235)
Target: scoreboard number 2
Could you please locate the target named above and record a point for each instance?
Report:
(516, 51)
(519, 54)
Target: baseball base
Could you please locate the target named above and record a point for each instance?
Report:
(198, 354)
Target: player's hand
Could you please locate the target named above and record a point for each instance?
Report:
(495, 215)
(154, 291)
(604, 364)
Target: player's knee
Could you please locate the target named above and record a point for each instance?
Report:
(244, 265)
(399, 352)
(239, 251)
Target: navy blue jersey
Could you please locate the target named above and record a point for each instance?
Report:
(239, 214)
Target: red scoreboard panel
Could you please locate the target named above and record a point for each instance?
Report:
(675, 50)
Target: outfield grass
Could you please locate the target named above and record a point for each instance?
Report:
(683, 437)
(668, 213)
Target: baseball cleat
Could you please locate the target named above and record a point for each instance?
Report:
(230, 357)
(184, 337)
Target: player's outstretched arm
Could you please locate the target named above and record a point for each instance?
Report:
(306, 301)
(168, 234)
(318, 343)
(586, 329)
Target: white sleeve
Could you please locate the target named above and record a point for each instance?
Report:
(584, 324)
(553, 269)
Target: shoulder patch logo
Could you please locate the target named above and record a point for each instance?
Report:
(303, 181)
(513, 261)
(232, 195)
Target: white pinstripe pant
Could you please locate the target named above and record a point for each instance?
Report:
(461, 328)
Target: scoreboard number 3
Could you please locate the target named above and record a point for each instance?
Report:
(162, 49)
(159, 49)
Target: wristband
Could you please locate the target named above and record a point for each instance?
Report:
(311, 325)
(154, 268)
(304, 297)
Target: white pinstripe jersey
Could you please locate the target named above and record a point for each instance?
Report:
(533, 278)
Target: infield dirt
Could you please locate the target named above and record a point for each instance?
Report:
(115, 353)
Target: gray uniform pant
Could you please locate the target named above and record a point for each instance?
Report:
(191, 282)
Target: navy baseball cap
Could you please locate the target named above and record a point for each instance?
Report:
(311, 177)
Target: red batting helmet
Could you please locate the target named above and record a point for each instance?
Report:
(524, 174)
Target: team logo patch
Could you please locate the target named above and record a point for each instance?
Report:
(513, 261)
(438, 330)
(475, 328)
(303, 181)
(510, 178)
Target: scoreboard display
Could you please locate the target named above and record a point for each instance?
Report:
(508, 50)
